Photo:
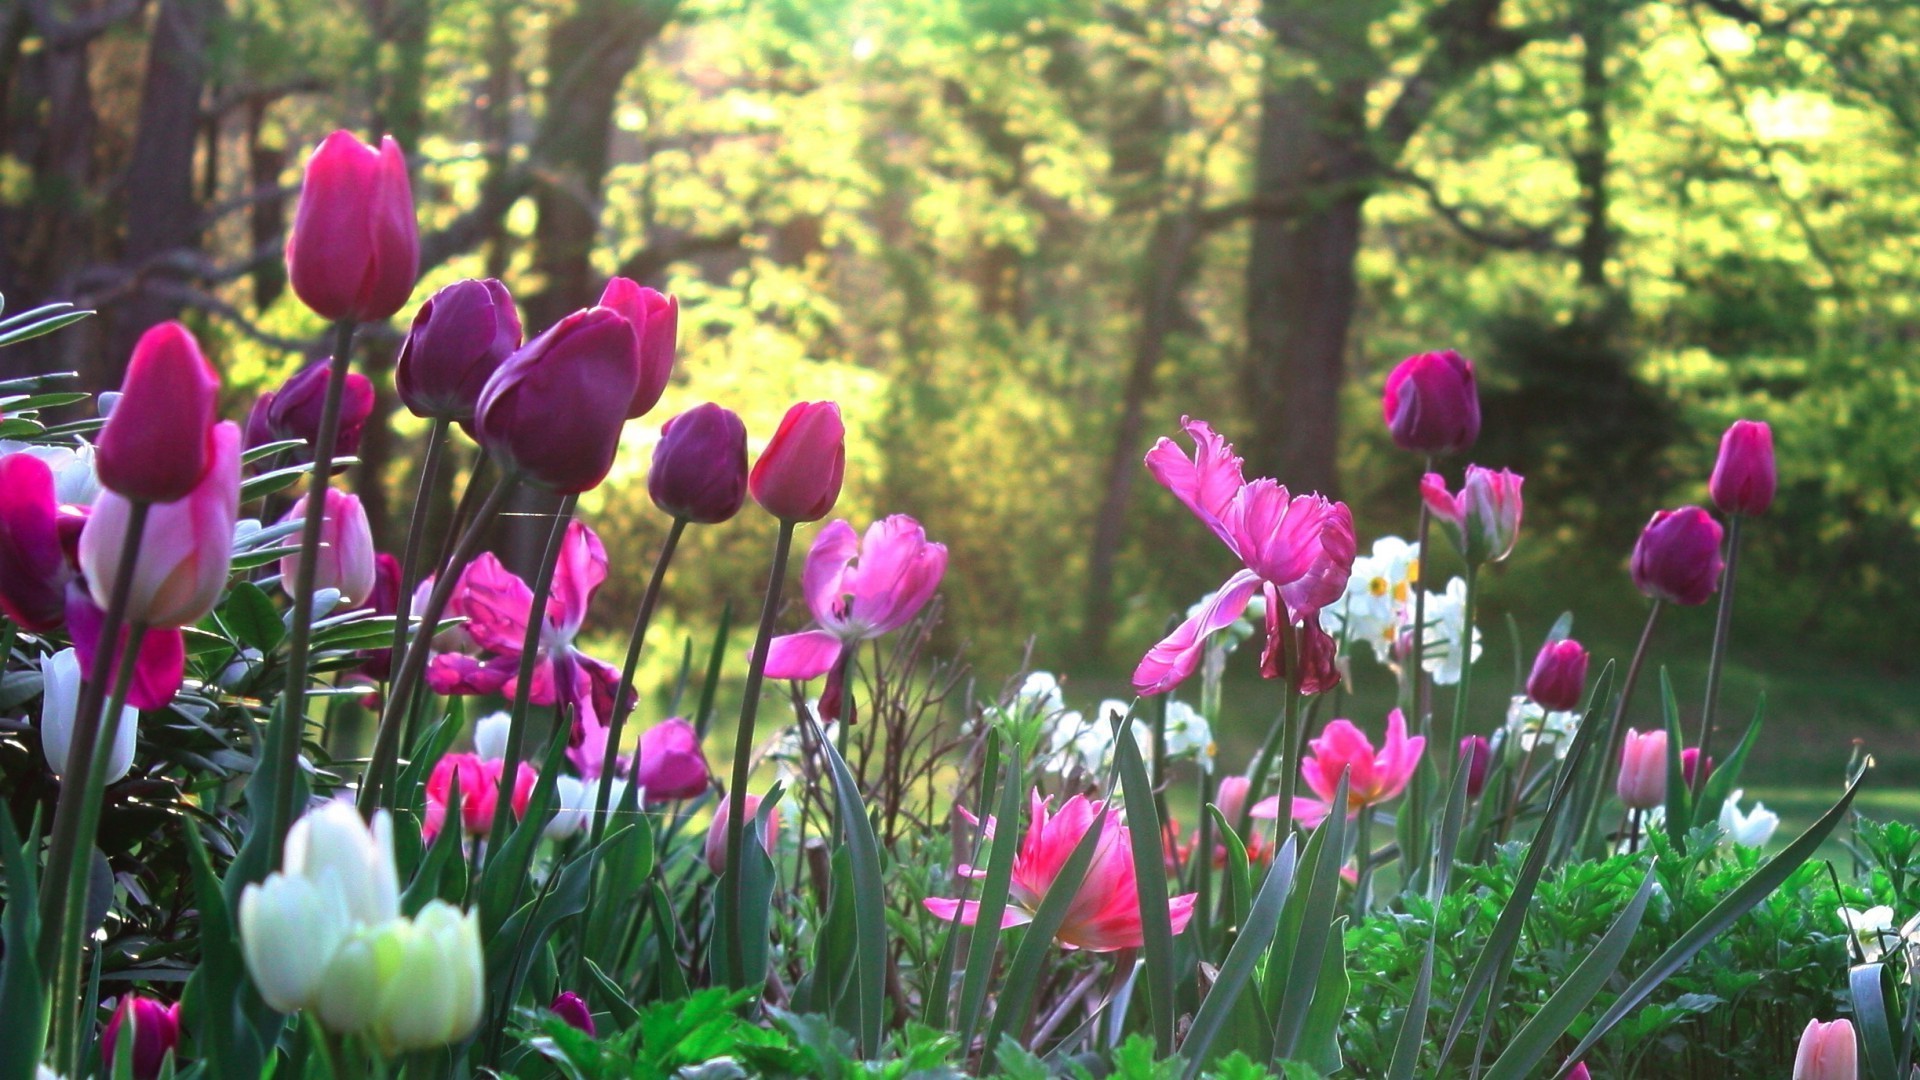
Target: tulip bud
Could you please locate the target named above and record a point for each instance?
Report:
(670, 764)
(700, 465)
(1230, 798)
(355, 248)
(572, 1008)
(345, 561)
(460, 337)
(717, 832)
(33, 567)
(290, 929)
(656, 322)
(1476, 754)
(1431, 404)
(1643, 769)
(1677, 557)
(156, 1033)
(1579, 1072)
(1484, 519)
(554, 410)
(1743, 476)
(1559, 676)
(186, 548)
(293, 412)
(333, 841)
(60, 678)
(1827, 1052)
(1690, 761)
(156, 446)
(433, 992)
(798, 475)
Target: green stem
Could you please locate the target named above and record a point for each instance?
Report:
(1451, 751)
(730, 908)
(1293, 746)
(529, 657)
(623, 694)
(1416, 672)
(1615, 732)
(416, 531)
(1363, 856)
(1722, 628)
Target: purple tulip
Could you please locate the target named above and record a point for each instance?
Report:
(156, 1033)
(1677, 557)
(572, 1008)
(460, 337)
(1559, 675)
(294, 411)
(1431, 404)
(1743, 476)
(555, 409)
(1476, 754)
(700, 465)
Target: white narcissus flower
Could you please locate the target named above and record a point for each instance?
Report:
(1751, 829)
(1378, 600)
(60, 702)
(1873, 929)
(1528, 723)
(1442, 653)
(1189, 735)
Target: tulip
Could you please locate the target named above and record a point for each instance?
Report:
(383, 601)
(1579, 1072)
(60, 677)
(1689, 762)
(460, 337)
(1749, 829)
(33, 567)
(345, 560)
(798, 475)
(337, 880)
(1559, 676)
(655, 319)
(1104, 915)
(1677, 557)
(355, 248)
(1643, 770)
(157, 670)
(572, 1008)
(157, 444)
(700, 465)
(1230, 798)
(670, 764)
(716, 850)
(479, 779)
(185, 550)
(1477, 754)
(1297, 550)
(554, 409)
(1484, 519)
(1743, 476)
(156, 1033)
(858, 589)
(333, 840)
(1827, 1052)
(293, 411)
(435, 992)
(1431, 403)
(1372, 777)
(75, 483)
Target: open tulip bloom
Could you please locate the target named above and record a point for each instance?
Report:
(1373, 777)
(858, 589)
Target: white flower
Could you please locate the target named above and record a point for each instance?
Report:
(1873, 930)
(60, 703)
(74, 480)
(1752, 829)
(1377, 601)
(1040, 693)
(490, 736)
(1189, 735)
(1446, 615)
(331, 842)
(1527, 723)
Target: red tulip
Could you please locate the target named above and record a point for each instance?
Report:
(185, 550)
(1677, 557)
(460, 337)
(1432, 404)
(33, 566)
(1643, 770)
(700, 465)
(1559, 677)
(156, 444)
(293, 412)
(655, 318)
(479, 780)
(555, 409)
(355, 248)
(798, 475)
(1477, 755)
(1743, 476)
(716, 849)
(572, 1008)
(156, 1033)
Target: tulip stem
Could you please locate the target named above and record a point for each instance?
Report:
(623, 695)
(1614, 731)
(1722, 629)
(730, 908)
(529, 659)
(386, 743)
(416, 529)
(1413, 685)
(1462, 692)
(1363, 863)
(284, 737)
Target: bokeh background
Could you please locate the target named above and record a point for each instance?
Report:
(1018, 239)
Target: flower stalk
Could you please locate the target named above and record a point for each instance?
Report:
(1722, 630)
(623, 694)
(529, 656)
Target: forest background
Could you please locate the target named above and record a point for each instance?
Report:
(1017, 239)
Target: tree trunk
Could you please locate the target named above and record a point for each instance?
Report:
(1590, 157)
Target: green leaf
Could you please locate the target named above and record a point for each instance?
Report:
(869, 897)
(1726, 776)
(44, 326)
(756, 901)
(1870, 988)
(1413, 1025)
(704, 715)
(1320, 1039)
(993, 897)
(1678, 813)
(252, 618)
(1316, 926)
(1150, 880)
(937, 1012)
(23, 993)
(1256, 934)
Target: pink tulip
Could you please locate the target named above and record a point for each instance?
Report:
(656, 321)
(1105, 913)
(1297, 549)
(700, 465)
(157, 443)
(1484, 518)
(1677, 557)
(293, 411)
(346, 558)
(1230, 798)
(33, 566)
(1827, 1052)
(1372, 777)
(460, 337)
(1689, 762)
(554, 411)
(479, 780)
(157, 670)
(185, 550)
(1477, 755)
(670, 764)
(1643, 769)
(1559, 676)
(1743, 476)
(156, 1033)
(1579, 1072)
(572, 1008)
(859, 589)
(355, 248)
(716, 850)
(798, 475)
(1431, 404)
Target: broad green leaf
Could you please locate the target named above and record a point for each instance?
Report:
(1256, 934)
(869, 897)
(1316, 926)
(1870, 987)
(1150, 881)
(993, 896)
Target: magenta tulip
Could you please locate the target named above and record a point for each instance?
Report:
(460, 337)
(1677, 557)
(670, 764)
(858, 589)
(157, 669)
(1483, 520)
(157, 442)
(655, 318)
(1827, 1052)
(1689, 762)
(555, 409)
(700, 465)
(798, 475)
(1477, 755)
(355, 248)
(1643, 770)
(1431, 404)
(716, 849)
(480, 783)
(572, 1008)
(1743, 476)
(185, 550)
(345, 561)
(1559, 677)
(33, 566)
(156, 1033)
(1373, 777)
(1579, 1072)
(293, 411)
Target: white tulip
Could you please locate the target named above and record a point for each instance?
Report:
(490, 736)
(435, 991)
(290, 928)
(60, 687)
(1751, 829)
(332, 842)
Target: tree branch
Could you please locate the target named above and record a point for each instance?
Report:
(1517, 237)
(1468, 36)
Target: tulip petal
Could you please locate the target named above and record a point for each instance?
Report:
(1206, 482)
(1171, 661)
(969, 911)
(807, 655)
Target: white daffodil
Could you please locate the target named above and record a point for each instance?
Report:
(1872, 929)
(1189, 735)
(1443, 653)
(1528, 723)
(1751, 829)
(1377, 603)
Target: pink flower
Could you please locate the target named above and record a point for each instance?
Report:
(555, 409)
(1559, 676)
(1579, 1072)
(1484, 519)
(186, 548)
(716, 850)
(655, 318)
(345, 561)
(157, 444)
(858, 589)
(1431, 404)
(355, 247)
(1372, 777)
(1743, 476)
(1298, 549)
(479, 780)
(1677, 557)
(1105, 912)
(157, 671)
(156, 1033)
(670, 763)
(33, 565)
(1690, 761)
(1643, 769)
(798, 475)
(1827, 1052)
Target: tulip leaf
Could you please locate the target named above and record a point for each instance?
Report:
(1239, 876)
(756, 902)
(1868, 986)
(219, 994)
(1678, 814)
(1150, 881)
(1320, 1039)
(1726, 776)
(609, 994)
(23, 993)
(507, 866)
(992, 907)
(524, 933)
(671, 981)
(703, 716)
(624, 870)
(1256, 934)
(869, 897)
(1315, 927)
(938, 1012)
(1450, 821)
(1413, 1025)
